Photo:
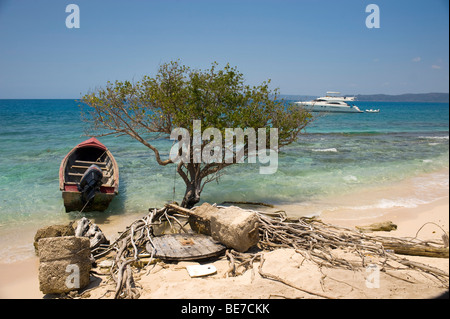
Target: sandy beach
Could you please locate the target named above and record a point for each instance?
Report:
(171, 280)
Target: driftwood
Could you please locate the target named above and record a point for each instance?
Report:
(383, 226)
(417, 250)
(311, 238)
(248, 203)
(132, 245)
(245, 261)
(182, 210)
(85, 228)
(317, 240)
(288, 283)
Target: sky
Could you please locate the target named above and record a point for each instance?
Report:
(306, 47)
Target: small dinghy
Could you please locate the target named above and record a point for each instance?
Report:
(88, 177)
(373, 111)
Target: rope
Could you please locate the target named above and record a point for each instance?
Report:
(98, 159)
(81, 211)
(174, 178)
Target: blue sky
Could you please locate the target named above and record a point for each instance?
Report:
(305, 47)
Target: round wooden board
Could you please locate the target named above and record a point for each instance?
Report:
(186, 247)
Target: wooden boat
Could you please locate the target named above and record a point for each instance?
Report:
(75, 165)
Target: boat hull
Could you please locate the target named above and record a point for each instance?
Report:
(73, 167)
(331, 109)
(73, 202)
(331, 104)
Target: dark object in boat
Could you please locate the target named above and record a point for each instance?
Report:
(76, 173)
(90, 183)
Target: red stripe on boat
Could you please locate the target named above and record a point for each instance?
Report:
(71, 188)
(92, 142)
(103, 189)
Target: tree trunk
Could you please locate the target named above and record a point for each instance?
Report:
(192, 195)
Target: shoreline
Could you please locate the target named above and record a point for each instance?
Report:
(19, 279)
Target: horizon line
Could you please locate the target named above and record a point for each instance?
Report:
(56, 98)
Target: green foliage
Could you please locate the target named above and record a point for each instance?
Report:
(178, 95)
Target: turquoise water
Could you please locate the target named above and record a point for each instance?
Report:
(338, 154)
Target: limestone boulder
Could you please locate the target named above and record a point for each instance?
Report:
(64, 264)
(235, 228)
(52, 231)
(201, 222)
(232, 226)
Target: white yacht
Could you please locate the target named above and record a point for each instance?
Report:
(332, 102)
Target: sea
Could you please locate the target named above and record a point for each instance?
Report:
(336, 156)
